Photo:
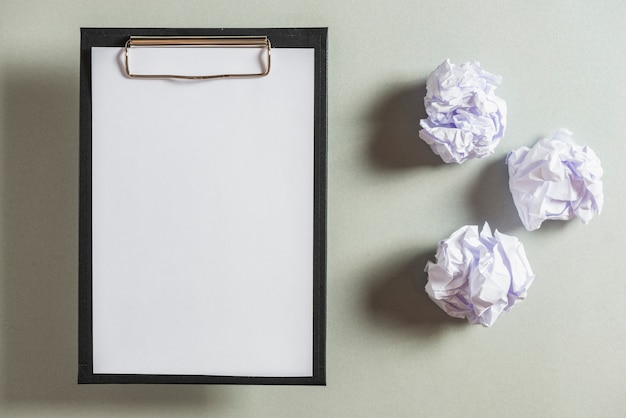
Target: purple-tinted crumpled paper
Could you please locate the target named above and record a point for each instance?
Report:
(478, 276)
(465, 118)
(555, 179)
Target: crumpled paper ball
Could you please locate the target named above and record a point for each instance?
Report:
(555, 179)
(478, 276)
(465, 118)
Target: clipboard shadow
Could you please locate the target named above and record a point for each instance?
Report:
(395, 143)
(39, 279)
(396, 300)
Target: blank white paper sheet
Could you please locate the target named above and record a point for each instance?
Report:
(202, 216)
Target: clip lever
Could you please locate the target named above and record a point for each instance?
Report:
(210, 42)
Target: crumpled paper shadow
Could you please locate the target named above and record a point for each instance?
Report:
(395, 143)
(490, 199)
(397, 299)
(39, 280)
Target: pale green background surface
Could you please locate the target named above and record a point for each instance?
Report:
(390, 351)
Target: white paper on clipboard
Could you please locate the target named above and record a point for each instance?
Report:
(202, 217)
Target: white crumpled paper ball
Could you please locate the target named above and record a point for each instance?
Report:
(478, 276)
(555, 179)
(465, 118)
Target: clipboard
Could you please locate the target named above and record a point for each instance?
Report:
(202, 219)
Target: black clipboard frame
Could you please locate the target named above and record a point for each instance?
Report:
(315, 38)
